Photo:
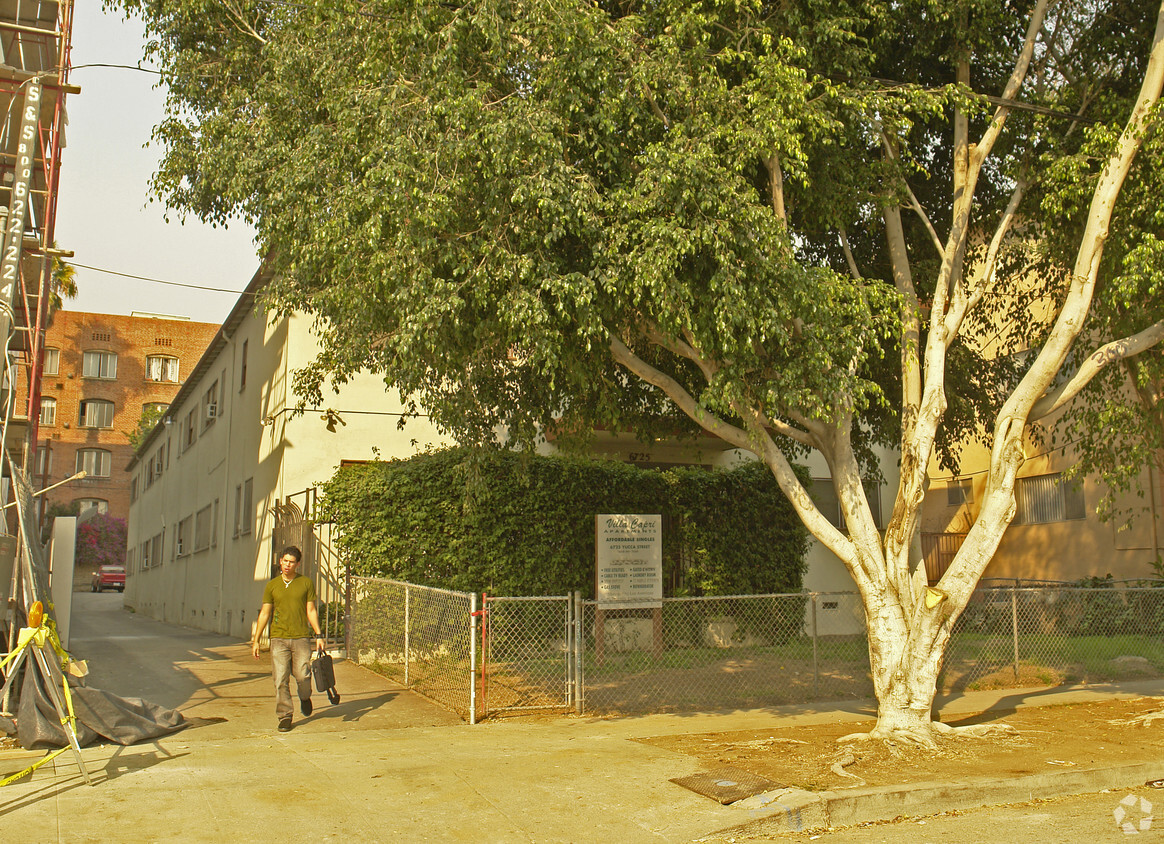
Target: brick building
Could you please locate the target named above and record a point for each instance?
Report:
(100, 373)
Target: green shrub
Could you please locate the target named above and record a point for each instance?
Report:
(519, 524)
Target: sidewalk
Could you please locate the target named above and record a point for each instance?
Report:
(386, 765)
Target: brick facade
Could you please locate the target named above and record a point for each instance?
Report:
(133, 340)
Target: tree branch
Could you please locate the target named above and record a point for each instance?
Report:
(776, 185)
(1097, 361)
(854, 270)
(677, 393)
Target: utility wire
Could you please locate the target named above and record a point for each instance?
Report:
(162, 281)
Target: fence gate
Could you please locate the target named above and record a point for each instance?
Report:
(295, 525)
(530, 654)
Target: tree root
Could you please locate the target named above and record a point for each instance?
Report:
(927, 739)
(1144, 720)
(838, 768)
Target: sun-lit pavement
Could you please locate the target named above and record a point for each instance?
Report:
(383, 765)
(386, 765)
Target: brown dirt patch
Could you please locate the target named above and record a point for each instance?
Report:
(1049, 738)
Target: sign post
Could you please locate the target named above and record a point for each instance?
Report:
(628, 571)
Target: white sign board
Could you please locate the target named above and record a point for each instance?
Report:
(629, 561)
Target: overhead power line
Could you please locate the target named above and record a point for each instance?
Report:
(161, 281)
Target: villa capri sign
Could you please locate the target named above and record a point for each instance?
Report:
(629, 561)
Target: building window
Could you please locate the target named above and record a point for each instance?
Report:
(133, 489)
(100, 365)
(189, 429)
(94, 462)
(98, 504)
(242, 507)
(146, 559)
(242, 375)
(825, 496)
(48, 411)
(202, 529)
(156, 545)
(159, 368)
(44, 461)
(959, 492)
(52, 362)
(1048, 498)
(182, 538)
(211, 405)
(96, 413)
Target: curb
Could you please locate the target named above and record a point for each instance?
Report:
(794, 810)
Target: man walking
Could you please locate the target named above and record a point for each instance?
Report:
(289, 604)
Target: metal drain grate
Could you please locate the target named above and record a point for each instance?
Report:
(726, 785)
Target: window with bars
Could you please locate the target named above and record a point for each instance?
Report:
(1048, 498)
(94, 462)
(162, 368)
(99, 364)
(96, 413)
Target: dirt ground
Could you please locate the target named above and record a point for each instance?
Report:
(809, 757)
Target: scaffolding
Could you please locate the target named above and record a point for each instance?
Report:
(35, 46)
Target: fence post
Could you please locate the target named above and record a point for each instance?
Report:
(407, 632)
(473, 658)
(579, 654)
(348, 614)
(1014, 627)
(815, 665)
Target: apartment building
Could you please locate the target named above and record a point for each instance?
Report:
(100, 373)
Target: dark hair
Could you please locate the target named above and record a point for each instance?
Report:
(292, 550)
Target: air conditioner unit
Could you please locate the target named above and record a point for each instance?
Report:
(211, 411)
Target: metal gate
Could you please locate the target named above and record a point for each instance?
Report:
(294, 525)
(531, 654)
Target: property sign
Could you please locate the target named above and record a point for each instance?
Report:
(629, 561)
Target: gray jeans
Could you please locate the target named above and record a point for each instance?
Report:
(290, 658)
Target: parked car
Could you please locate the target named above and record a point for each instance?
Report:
(109, 577)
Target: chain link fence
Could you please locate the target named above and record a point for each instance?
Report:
(1010, 636)
(732, 652)
(724, 652)
(530, 653)
(423, 638)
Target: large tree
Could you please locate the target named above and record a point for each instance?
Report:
(790, 224)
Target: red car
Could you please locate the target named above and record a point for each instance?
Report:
(109, 577)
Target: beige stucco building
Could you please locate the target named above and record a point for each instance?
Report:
(1056, 534)
(205, 483)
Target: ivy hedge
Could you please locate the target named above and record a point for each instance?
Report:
(519, 524)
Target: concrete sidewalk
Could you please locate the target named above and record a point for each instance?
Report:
(386, 765)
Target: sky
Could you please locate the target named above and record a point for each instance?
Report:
(104, 212)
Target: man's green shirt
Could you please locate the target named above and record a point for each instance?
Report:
(289, 606)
